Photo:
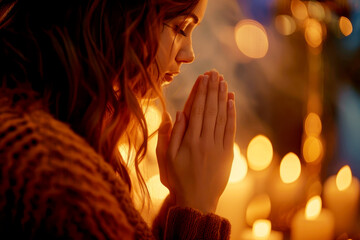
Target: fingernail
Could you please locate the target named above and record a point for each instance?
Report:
(178, 116)
(222, 86)
(205, 80)
(221, 78)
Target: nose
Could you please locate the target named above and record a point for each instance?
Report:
(186, 53)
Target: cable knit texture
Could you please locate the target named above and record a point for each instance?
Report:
(53, 185)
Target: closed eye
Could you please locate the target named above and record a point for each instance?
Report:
(177, 29)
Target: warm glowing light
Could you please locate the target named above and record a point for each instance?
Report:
(285, 24)
(313, 125)
(239, 166)
(316, 10)
(152, 117)
(344, 178)
(259, 153)
(313, 33)
(127, 153)
(251, 38)
(298, 9)
(312, 149)
(156, 189)
(345, 26)
(313, 208)
(290, 168)
(258, 208)
(262, 228)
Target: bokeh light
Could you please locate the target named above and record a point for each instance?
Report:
(313, 208)
(316, 10)
(313, 125)
(298, 9)
(345, 25)
(262, 228)
(259, 153)
(258, 208)
(239, 166)
(312, 149)
(285, 24)
(251, 38)
(290, 168)
(313, 33)
(344, 178)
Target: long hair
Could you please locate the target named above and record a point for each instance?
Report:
(89, 62)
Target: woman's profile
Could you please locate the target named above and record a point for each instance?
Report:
(74, 77)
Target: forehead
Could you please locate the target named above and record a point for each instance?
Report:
(199, 10)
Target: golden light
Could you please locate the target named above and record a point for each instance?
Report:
(152, 117)
(261, 228)
(313, 33)
(239, 166)
(316, 10)
(258, 208)
(312, 149)
(298, 9)
(251, 38)
(128, 154)
(345, 25)
(313, 208)
(156, 189)
(313, 125)
(259, 153)
(285, 24)
(290, 168)
(344, 178)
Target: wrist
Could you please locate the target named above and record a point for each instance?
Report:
(205, 206)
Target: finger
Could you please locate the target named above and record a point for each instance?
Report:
(230, 128)
(211, 106)
(190, 100)
(197, 109)
(177, 134)
(222, 112)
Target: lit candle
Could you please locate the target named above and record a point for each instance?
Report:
(341, 196)
(261, 230)
(313, 222)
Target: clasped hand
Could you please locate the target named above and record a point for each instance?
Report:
(195, 155)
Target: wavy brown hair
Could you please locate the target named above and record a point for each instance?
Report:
(89, 62)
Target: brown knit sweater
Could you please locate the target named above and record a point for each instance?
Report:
(53, 185)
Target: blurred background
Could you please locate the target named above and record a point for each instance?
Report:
(295, 69)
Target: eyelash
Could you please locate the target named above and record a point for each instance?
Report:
(177, 29)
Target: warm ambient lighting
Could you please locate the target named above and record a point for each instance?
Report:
(313, 125)
(345, 26)
(312, 149)
(258, 208)
(290, 168)
(128, 154)
(259, 153)
(285, 24)
(239, 166)
(313, 208)
(262, 228)
(343, 178)
(298, 9)
(251, 38)
(316, 10)
(152, 117)
(313, 33)
(156, 189)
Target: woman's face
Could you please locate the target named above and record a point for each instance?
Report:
(175, 46)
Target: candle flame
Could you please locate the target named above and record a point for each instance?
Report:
(259, 153)
(262, 228)
(290, 168)
(156, 189)
(344, 178)
(345, 26)
(239, 166)
(313, 208)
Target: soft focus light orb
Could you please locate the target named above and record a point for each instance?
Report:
(290, 168)
(313, 208)
(258, 208)
(251, 38)
(312, 149)
(345, 25)
(344, 178)
(259, 153)
(313, 33)
(239, 166)
(285, 24)
(298, 9)
(316, 10)
(156, 189)
(313, 125)
(262, 228)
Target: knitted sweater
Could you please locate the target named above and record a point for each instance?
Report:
(53, 185)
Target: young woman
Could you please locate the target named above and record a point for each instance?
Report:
(73, 78)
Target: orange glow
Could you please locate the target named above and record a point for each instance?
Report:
(153, 118)
(298, 9)
(259, 153)
(312, 149)
(316, 10)
(285, 24)
(258, 208)
(239, 166)
(290, 168)
(345, 26)
(156, 189)
(251, 38)
(313, 33)
(313, 125)
(313, 208)
(262, 228)
(126, 153)
(344, 178)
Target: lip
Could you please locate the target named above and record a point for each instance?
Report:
(168, 77)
